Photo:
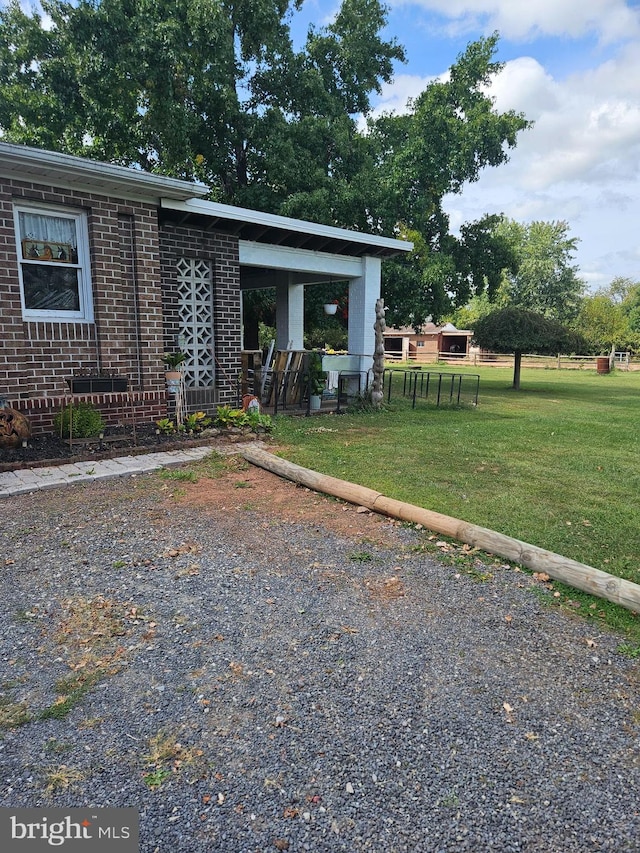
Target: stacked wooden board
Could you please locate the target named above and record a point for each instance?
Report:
(276, 378)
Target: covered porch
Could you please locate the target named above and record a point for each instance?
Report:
(290, 256)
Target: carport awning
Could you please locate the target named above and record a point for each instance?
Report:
(259, 227)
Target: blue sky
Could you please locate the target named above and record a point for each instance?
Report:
(573, 67)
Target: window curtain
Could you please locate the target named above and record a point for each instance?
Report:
(49, 229)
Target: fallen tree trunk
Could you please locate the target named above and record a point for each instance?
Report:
(579, 575)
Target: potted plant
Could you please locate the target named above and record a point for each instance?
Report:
(173, 374)
(315, 380)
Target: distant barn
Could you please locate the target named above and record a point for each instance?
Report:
(430, 344)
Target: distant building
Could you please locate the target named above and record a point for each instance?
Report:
(429, 344)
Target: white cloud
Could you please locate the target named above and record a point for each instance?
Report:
(580, 162)
(587, 127)
(514, 19)
(395, 96)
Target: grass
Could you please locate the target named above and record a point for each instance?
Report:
(555, 464)
(60, 778)
(167, 756)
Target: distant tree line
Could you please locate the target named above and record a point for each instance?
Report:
(545, 280)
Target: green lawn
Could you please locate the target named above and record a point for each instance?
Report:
(556, 464)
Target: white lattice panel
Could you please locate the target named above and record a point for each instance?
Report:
(195, 311)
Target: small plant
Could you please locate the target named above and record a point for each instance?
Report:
(166, 426)
(71, 691)
(196, 422)
(13, 714)
(173, 360)
(228, 417)
(55, 747)
(62, 777)
(315, 377)
(82, 420)
(167, 756)
(259, 422)
(360, 557)
(450, 800)
(154, 779)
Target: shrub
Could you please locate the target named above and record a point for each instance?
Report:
(259, 422)
(228, 417)
(81, 420)
(196, 422)
(166, 426)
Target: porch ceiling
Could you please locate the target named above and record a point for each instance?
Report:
(258, 278)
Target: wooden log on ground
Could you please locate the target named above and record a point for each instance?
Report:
(579, 575)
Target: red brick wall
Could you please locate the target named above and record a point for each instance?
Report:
(139, 407)
(221, 251)
(135, 309)
(36, 358)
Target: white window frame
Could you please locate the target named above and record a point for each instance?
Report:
(85, 292)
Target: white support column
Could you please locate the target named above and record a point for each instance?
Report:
(363, 293)
(289, 315)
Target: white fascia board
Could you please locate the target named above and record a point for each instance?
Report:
(298, 260)
(69, 171)
(272, 220)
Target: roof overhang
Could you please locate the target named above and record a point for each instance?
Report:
(68, 172)
(256, 227)
(182, 201)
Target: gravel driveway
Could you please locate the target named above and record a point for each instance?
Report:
(255, 679)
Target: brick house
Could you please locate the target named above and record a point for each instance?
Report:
(106, 268)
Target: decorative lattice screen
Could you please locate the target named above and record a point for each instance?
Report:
(195, 311)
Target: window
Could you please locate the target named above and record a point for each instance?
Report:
(53, 253)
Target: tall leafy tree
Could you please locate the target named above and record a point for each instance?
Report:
(196, 88)
(611, 317)
(215, 90)
(603, 324)
(545, 279)
(451, 134)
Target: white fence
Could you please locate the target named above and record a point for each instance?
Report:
(620, 360)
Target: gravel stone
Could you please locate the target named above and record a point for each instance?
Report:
(260, 689)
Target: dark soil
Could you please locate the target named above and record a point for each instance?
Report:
(51, 449)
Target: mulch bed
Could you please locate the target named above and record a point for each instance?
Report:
(51, 449)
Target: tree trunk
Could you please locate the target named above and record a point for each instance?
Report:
(517, 361)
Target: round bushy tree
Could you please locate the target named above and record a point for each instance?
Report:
(515, 330)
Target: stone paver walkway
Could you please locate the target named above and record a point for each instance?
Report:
(30, 479)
